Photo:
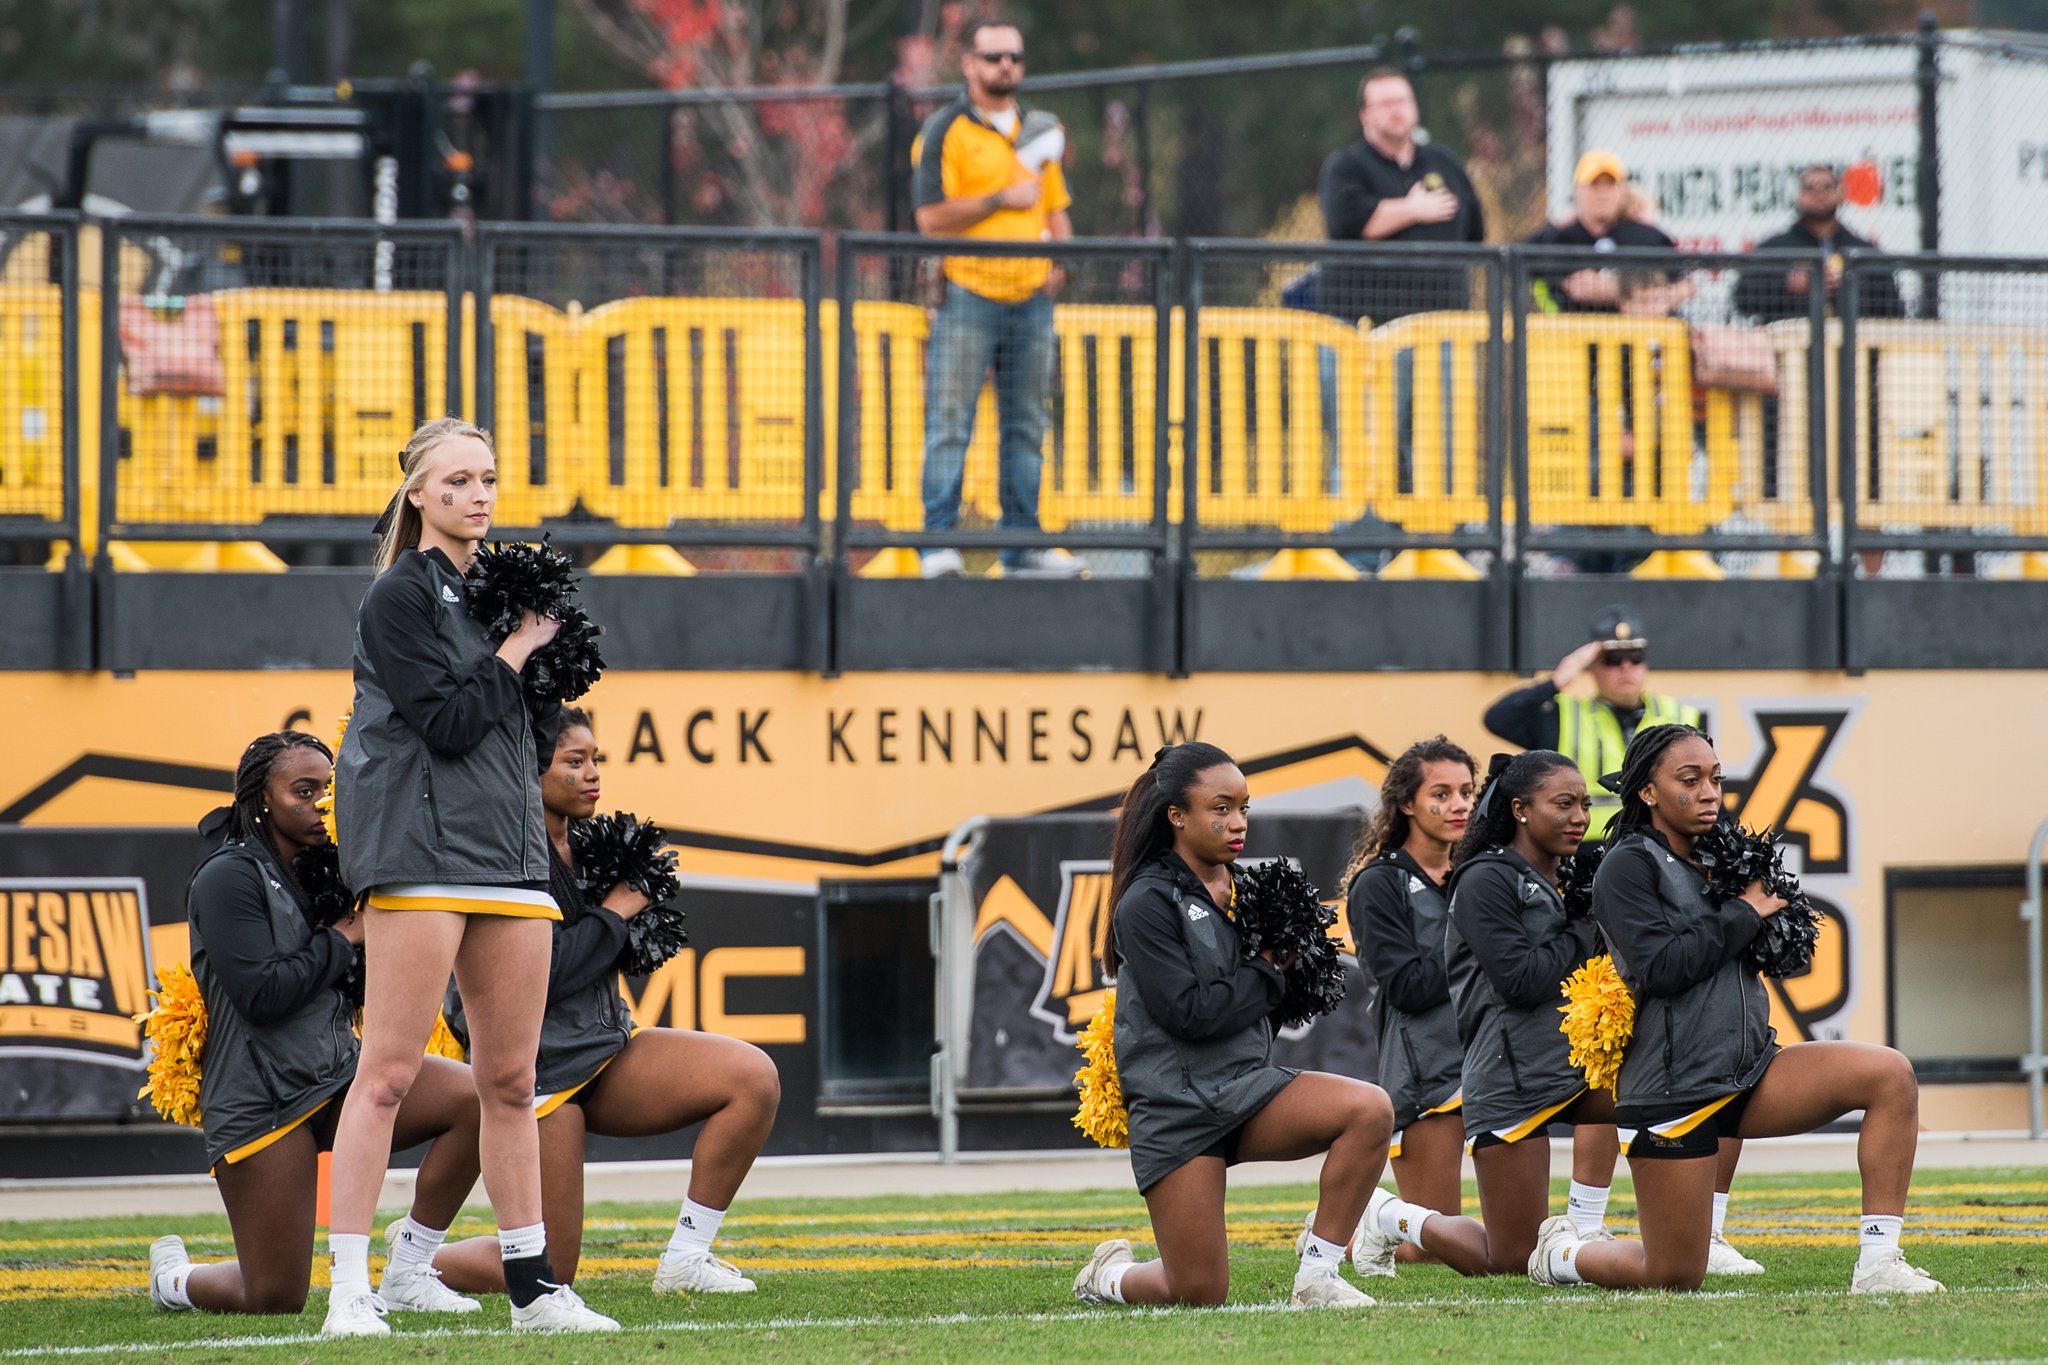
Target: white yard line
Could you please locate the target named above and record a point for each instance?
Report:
(1566, 1299)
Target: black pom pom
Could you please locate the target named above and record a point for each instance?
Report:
(653, 936)
(1278, 908)
(317, 869)
(1734, 858)
(611, 850)
(507, 581)
(1575, 879)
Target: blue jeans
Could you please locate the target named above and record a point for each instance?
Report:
(969, 335)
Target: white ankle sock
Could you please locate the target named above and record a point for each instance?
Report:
(1877, 1234)
(516, 1244)
(1588, 1207)
(1720, 1212)
(695, 1227)
(1111, 1281)
(1564, 1263)
(414, 1245)
(351, 1252)
(1317, 1254)
(171, 1285)
(1399, 1218)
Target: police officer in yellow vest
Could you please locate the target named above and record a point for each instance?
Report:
(1593, 731)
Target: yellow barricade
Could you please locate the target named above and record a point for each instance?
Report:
(1611, 428)
(321, 390)
(31, 401)
(1952, 427)
(1281, 443)
(1957, 414)
(694, 410)
(1427, 450)
(1099, 442)
(889, 343)
(539, 388)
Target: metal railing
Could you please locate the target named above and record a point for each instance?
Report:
(1208, 400)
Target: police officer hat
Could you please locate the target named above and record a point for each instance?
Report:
(1617, 628)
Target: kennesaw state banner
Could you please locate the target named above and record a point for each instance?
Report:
(1041, 895)
(76, 966)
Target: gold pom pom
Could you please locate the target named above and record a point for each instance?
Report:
(325, 805)
(442, 1042)
(1102, 1115)
(1599, 1019)
(176, 1029)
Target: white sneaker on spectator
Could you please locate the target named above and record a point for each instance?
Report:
(1889, 1274)
(698, 1272)
(166, 1254)
(941, 564)
(1723, 1259)
(355, 1313)
(560, 1310)
(1045, 564)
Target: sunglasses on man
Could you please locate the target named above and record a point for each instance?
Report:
(998, 58)
(1615, 658)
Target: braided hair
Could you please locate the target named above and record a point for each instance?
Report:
(1639, 769)
(252, 774)
(1142, 830)
(1509, 778)
(1388, 826)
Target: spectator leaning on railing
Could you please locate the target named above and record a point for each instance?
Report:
(1600, 222)
(988, 167)
(1388, 187)
(1770, 295)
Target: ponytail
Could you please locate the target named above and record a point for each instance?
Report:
(1509, 778)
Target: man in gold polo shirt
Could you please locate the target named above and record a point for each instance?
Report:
(986, 166)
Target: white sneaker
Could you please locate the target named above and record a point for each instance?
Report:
(698, 1272)
(418, 1289)
(1044, 564)
(1088, 1287)
(1372, 1251)
(1889, 1274)
(1324, 1286)
(1603, 1233)
(941, 564)
(1555, 1232)
(355, 1312)
(560, 1310)
(166, 1254)
(1723, 1259)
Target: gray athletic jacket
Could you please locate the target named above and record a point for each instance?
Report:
(1702, 1018)
(1194, 1026)
(435, 780)
(1509, 949)
(1398, 918)
(278, 1034)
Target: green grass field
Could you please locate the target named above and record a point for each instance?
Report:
(989, 1278)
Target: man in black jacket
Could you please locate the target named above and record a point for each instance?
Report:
(1769, 295)
(1388, 187)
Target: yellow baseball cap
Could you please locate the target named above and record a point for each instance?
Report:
(1595, 164)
